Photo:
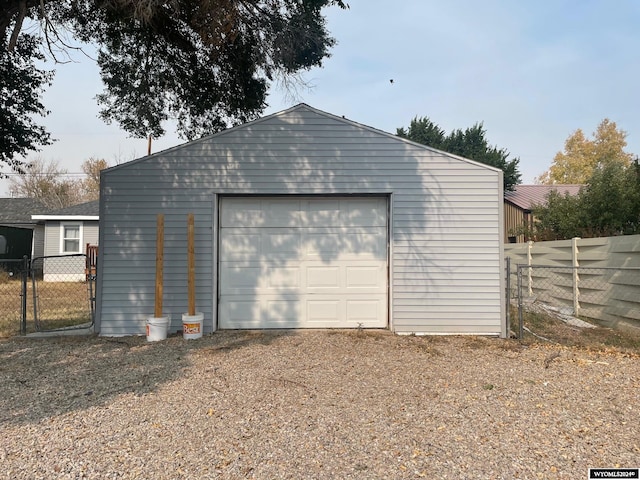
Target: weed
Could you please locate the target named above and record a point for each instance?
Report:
(598, 338)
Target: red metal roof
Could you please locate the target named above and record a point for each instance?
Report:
(526, 196)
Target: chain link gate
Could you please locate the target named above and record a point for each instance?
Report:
(45, 294)
(62, 292)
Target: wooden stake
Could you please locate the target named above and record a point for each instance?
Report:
(159, 263)
(191, 264)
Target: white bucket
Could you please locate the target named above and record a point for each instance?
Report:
(157, 328)
(192, 325)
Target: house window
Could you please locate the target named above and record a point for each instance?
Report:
(3, 245)
(71, 233)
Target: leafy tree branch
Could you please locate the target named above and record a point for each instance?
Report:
(206, 63)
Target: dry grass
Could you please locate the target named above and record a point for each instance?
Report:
(5, 276)
(60, 304)
(559, 332)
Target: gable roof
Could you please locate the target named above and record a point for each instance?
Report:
(82, 211)
(526, 196)
(19, 210)
(286, 112)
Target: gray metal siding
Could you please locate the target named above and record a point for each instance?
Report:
(446, 220)
(127, 260)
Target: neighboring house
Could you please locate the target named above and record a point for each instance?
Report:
(66, 232)
(305, 219)
(518, 205)
(19, 234)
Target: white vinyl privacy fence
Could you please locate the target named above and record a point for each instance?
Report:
(597, 278)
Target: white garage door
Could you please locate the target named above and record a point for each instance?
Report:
(303, 262)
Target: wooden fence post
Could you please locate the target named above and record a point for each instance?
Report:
(159, 264)
(191, 266)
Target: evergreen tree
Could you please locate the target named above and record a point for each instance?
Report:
(470, 143)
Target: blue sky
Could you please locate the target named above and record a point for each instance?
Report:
(532, 72)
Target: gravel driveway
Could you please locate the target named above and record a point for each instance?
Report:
(313, 404)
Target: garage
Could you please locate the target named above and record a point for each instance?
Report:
(305, 219)
(303, 262)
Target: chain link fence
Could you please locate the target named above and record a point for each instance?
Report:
(609, 297)
(11, 296)
(46, 294)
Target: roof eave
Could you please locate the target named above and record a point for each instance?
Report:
(66, 217)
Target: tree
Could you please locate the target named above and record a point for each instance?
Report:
(206, 63)
(424, 131)
(54, 187)
(469, 143)
(581, 156)
(21, 86)
(610, 201)
(559, 218)
(608, 204)
(91, 184)
(47, 183)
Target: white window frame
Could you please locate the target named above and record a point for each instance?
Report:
(62, 238)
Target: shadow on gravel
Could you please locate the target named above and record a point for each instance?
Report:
(41, 378)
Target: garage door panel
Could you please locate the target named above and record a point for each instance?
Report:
(283, 278)
(287, 212)
(314, 312)
(371, 244)
(366, 312)
(255, 245)
(365, 277)
(321, 213)
(259, 279)
(274, 311)
(238, 279)
(322, 276)
(240, 246)
(306, 262)
(240, 313)
(324, 313)
(261, 313)
(242, 212)
(343, 246)
(282, 213)
(286, 243)
(326, 245)
(365, 212)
